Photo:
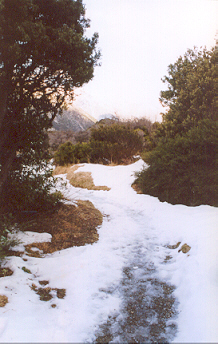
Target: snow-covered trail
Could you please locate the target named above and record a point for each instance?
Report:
(129, 286)
(145, 308)
(140, 223)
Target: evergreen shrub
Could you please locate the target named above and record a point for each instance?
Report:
(184, 170)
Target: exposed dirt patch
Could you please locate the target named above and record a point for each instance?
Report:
(85, 180)
(43, 282)
(80, 179)
(69, 226)
(47, 293)
(31, 251)
(44, 293)
(61, 293)
(26, 270)
(136, 188)
(66, 169)
(5, 272)
(14, 253)
(185, 248)
(167, 259)
(3, 300)
(147, 313)
(173, 247)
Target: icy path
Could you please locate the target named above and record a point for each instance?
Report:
(144, 307)
(134, 259)
(129, 286)
(146, 310)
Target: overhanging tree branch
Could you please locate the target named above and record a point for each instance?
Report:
(43, 56)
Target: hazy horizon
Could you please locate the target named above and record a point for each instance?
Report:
(138, 39)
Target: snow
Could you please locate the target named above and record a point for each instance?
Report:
(135, 234)
(26, 238)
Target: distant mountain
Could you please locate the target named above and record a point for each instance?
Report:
(74, 119)
(90, 103)
(106, 115)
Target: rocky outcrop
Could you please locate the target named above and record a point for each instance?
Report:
(73, 119)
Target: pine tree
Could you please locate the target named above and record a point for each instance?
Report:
(44, 54)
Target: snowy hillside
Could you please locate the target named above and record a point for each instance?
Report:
(134, 285)
(74, 119)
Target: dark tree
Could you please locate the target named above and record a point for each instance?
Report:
(191, 95)
(114, 143)
(183, 162)
(44, 54)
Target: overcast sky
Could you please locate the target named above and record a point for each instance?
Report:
(138, 39)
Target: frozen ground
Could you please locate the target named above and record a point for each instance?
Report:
(130, 286)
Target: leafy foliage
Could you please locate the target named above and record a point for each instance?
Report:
(184, 169)
(192, 92)
(43, 55)
(32, 188)
(72, 154)
(114, 143)
(108, 144)
(6, 227)
(183, 161)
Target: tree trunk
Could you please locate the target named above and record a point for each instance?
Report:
(3, 106)
(6, 167)
(5, 80)
(6, 162)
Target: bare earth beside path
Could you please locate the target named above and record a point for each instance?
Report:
(71, 225)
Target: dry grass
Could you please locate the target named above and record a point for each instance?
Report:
(80, 179)
(84, 180)
(65, 169)
(3, 300)
(185, 248)
(173, 247)
(45, 293)
(136, 188)
(69, 226)
(5, 272)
